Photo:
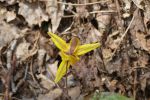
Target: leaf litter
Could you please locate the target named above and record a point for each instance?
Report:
(29, 60)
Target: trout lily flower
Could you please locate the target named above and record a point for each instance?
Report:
(69, 52)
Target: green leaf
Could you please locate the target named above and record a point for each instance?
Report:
(109, 96)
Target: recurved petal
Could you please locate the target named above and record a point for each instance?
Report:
(62, 70)
(73, 45)
(59, 42)
(86, 48)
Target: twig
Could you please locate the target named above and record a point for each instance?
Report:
(119, 14)
(10, 68)
(32, 74)
(9, 53)
(124, 34)
(22, 80)
(103, 11)
(135, 84)
(34, 48)
(66, 85)
(75, 4)
(93, 12)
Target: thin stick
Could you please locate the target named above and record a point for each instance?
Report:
(93, 12)
(66, 79)
(119, 14)
(103, 11)
(122, 37)
(75, 4)
(135, 84)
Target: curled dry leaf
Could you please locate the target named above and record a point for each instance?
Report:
(32, 13)
(54, 13)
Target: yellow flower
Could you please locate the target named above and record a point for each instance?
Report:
(69, 53)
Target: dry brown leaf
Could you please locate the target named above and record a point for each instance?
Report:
(144, 78)
(93, 36)
(70, 81)
(139, 33)
(10, 2)
(3, 12)
(46, 82)
(74, 93)
(22, 50)
(114, 66)
(7, 33)
(113, 40)
(52, 95)
(103, 20)
(107, 53)
(140, 41)
(127, 4)
(32, 13)
(54, 13)
(138, 3)
(52, 68)
(82, 11)
(147, 10)
(10, 16)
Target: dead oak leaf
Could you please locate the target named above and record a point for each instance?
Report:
(32, 13)
(141, 42)
(138, 32)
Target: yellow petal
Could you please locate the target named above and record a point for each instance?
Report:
(60, 43)
(86, 48)
(64, 66)
(64, 56)
(71, 58)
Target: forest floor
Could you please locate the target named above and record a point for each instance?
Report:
(29, 59)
